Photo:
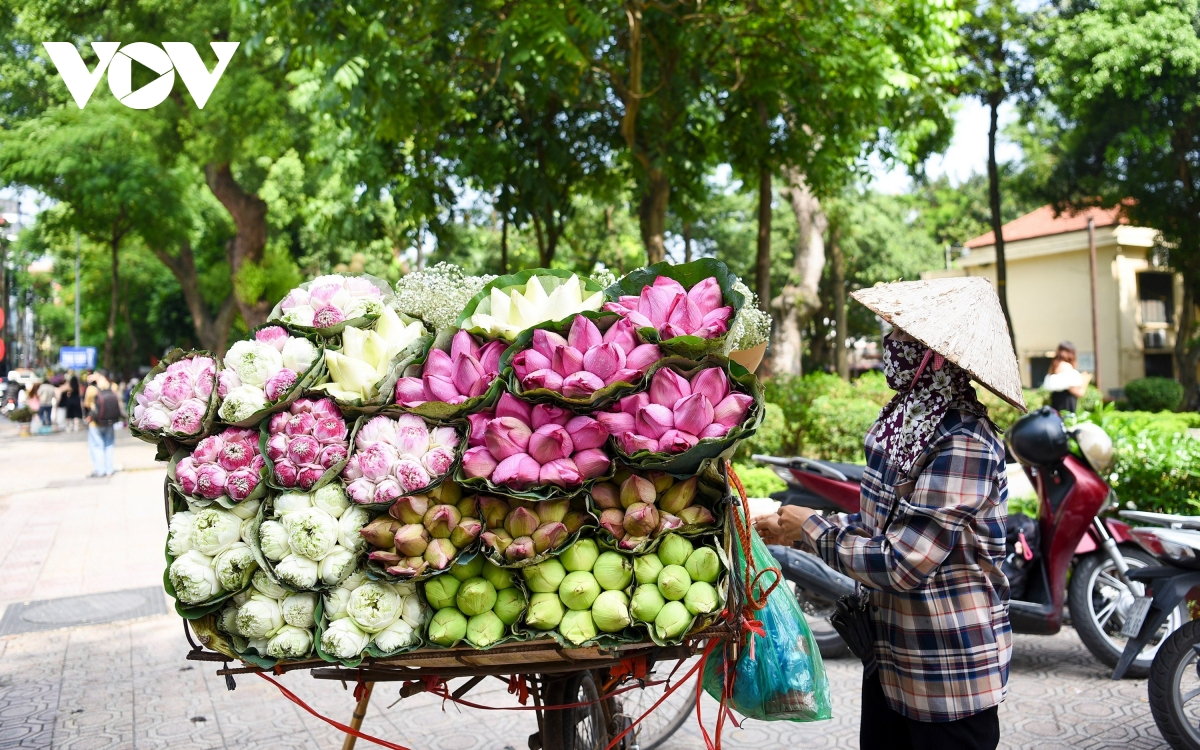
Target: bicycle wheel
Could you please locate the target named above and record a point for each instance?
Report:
(666, 720)
(583, 728)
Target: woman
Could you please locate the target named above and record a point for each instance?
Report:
(1065, 383)
(72, 402)
(928, 540)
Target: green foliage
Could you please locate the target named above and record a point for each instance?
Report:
(1027, 504)
(25, 414)
(770, 437)
(759, 481)
(1153, 394)
(827, 417)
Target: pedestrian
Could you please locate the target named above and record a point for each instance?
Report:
(928, 540)
(1065, 383)
(46, 394)
(72, 402)
(104, 410)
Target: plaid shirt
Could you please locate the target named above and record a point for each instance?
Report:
(939, 599)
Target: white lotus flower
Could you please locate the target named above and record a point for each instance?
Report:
(298, 610)
(365, 357)
(179, 534)
(227, 620)
(505, 313)
(273, 541)
(214, 530)
(336, 565)
(332, 499)
(246, 509)
(413, 612)
(290, 502)
(396, 636)
(374, 606)
(242, 597)
(298, 354)
(343, 639)
(253, 361)
(290, 643)
(242, 402)
(234, 567)
(297, 571)
(264, 585)
(336, 601)
(260, 617)
(348, 526)
(248, 527)
(194, 579)
(312, 533)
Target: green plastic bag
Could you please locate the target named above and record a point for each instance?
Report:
(778, 676)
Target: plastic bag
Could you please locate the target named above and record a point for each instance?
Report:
(778, 676)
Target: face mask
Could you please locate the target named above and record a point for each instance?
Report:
(900, 362)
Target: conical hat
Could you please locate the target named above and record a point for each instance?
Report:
(960, 319)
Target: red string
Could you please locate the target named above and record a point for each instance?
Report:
(337, 724)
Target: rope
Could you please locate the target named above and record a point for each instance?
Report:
(337, 724)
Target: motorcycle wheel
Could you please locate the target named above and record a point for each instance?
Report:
(817, 610)
(1099, 601)
(1174, 688)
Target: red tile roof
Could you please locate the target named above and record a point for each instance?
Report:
(1043, 222)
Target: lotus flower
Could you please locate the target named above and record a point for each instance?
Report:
(519, 471)
(506, 312)
(478, 462)
(329, 300)
(465, 372)
(672, 311)
(506, 436)
(366, 355)
(584, 362)
(550, 442)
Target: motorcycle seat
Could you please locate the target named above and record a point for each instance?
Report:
(853, 472)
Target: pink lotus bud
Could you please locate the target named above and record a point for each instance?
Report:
(412, 436)
(286, 473)
(387, 490)
(655, 304)
(521, 548)
(697, 515)
(185, 475)
(376, 461)
(693, 414)
(711, 382)
(630, 404)
(247, 435)
(410, 474)
(567, 360)
(606, 496)
(411, 509)
(686, 315)
(497, 539)
(208, 450)
(465, 532)
(308, 476)
(714, 430)
(631, 543)
(205, 378)
(381, 532)
(227, 380)
(629, 313)
(300, 424)
(612, 520)
(706, 295)
(521, 522)
(320, 408)
(303, 449)
(667, 522)
(545, 342)
(176, 388)
(621, 333)
(463, 343)
(507, 436)
(666, 282)
(509, 405)
(581, 385)
(478, 422)
(439, 363)
(640, 519)
(323, 294)
(616, 423)
(586, 433)
(361, 490)
(549, 536)
(637, 489)
(548, 379)
(411, 540)
(440, 520)
(330, 431)
(489, 357)
(442, 389)
(444, 437)
(549, 511)
(575, 520)
(561, 472)
(258, 463)
(376, 430)
(327, 316)
(583, 334)
(493, 510)
(676, 441)
(717, 320)
(519, 472)
(189, 417)
(732, 410)
(410, 392)
(653, 420)
(668, 388)
(352, 470)
(384, 558)
(468, 376)
(544, 414)
(331, 455)
(236, 455)
(632, 443)
(530, 360)
(278, 423)
(550, 442)
(438, 461)
(408, 567)
(210, 481)
(276, 336)
(478, 462)
(279, 384)
(439, 553)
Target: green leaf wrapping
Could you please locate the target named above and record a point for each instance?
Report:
(482, 303)
(363, 321)
(440, 410)
(304, 382)
(178, 502)
(687, 274)
(166, 441)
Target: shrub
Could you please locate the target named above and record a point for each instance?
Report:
(770, 438)
(24, 414)
(826, 417)
(835, 428)
(759, 481)
(1153, 394)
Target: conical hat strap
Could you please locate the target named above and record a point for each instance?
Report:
(938, 361)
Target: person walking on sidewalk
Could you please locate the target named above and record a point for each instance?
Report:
(46, 394)
(72, 401)
(103, 407)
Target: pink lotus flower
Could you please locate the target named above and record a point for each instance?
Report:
(439, 388)
(176, 388)
(258, 463)
(277, 446)
(581, 385)
(411, 475)
(672, 311)
(643, 356)
(331, 455)
(478, 462)
(583, 334)
(439, 363)
(236, 454)
(325, 317)
(612, 520)
(530, 360)
(185, 475)
(631, 404)
(616, 423)
(330, 431)
(300, 424)
(361, 491)
(388, 490)
(732, 410)
(622, 335)
(210, 481)
(478, 422)
(319, 408)
(548, 379)
(567, 360)
(276, 336)
(376, 430)
(603, 360)
(309, 476)
(410, 392)
(506, 436)
(227, 380)
(303, 449)
(667, 387)
(277, 425)
(189, 417)
(241, 484)
(247, 435)
(489, 356)
(208, 449)
(353, 469)
(624, 375)
(518, 471)
(632, 443)
(653, 420)
(676, 441)
(468, 376)
(693, 414)
(286, 473)
(279, 384)
(550, 442)
(443, 437)
(545, 342)
(510, 406)
(586, 433)
(438, 461)
(711, 381)
(412, 436)
(544, 414)
(376, 461)
(591, 463)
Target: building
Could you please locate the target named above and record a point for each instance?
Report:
(1050, 293)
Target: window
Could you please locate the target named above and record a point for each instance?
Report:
(1159, 365)
(1156, 294)
(1039, 367)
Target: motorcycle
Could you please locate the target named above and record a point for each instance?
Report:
(1070, 539)
(1174, 681)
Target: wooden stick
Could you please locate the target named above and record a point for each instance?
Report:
(360, 713)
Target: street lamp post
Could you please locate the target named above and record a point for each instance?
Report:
(77, 289)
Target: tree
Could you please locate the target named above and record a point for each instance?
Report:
(1124, 76)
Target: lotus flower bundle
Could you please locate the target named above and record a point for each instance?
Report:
(262, 371)
(304, 442)
(423, 532)
(175, 400)
(210, 551)
(674, 311)
(646, 506)
(527, 446)
(465, 372)
(504, 313)
(362, 364)
(330, 300)
(476, 601)
(363, 613)
(394, 457)
(227, 464)
(580, 593)
(675, 586)
(521, 529)
(586, 360)
(313, 539)
(676, 413)
(270, 620)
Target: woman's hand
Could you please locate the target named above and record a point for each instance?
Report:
(785, 527)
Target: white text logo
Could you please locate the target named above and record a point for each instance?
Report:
(118, 61)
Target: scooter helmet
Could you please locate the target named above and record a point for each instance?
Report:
(1038, 438)
(1095, 444)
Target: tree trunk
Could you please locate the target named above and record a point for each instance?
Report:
(1187, 358)
(762, 261)
(687, 242)
(799, 298)
(113, 303)
(994, 203)
(652, 215)
(841, 356)
(249, 214)
(212, 332)
(504, 244)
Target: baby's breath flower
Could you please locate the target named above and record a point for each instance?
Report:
(438, 294)
(604, 277)
(751, 327)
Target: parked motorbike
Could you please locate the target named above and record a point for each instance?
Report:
(1070, 538)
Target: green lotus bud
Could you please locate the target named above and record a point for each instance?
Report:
(500, 578)
(494, 511)
(521, 522)
(441, 520)
(484, 629)
(575, 520)
(467, 507)
(637, 489)
(447, 627)
(440, 591)
(647, 601)
(545, 611)
(646, 568)
(448, 493)
(703, 565)
(553, 511)
(580, 556)
(679, 496)
(606, 496)
(662, 480)
(696, 515)
(621, 474)
(674, 582)
(549, 536)
(473, 568)
(674, 550)
(545, 577)
(578, 626)
(579, 589)
(613, 571)
(701, 598)
(510, 603)
(672, 621)
(475, 596)
(610, 611)
(497, 539)
(440, 552)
